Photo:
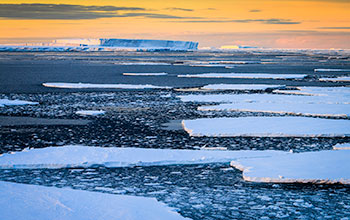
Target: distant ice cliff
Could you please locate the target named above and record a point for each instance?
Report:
(105, 44)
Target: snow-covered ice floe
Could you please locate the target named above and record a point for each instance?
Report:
(32, 202)
(90, 112)
(145, 74)
(245, 76)
(241, 87)
(345, 146)
(310, 167)
(307, 109)
(101, 86)
(84, 156)
(7, 102)
(338, 79)
(265, 98)
(267, 127)
(331, 70)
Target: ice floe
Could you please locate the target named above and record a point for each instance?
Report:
(307, 109)
(101, 86)
(90, 112)
(267, 127)
(345, 146)
(7, 102)
(310, 167)
(331, 70)
(245, 76)
(338, 79)
(145, 74)
(266, 98)
(84, 156)
(241, 87)
(32, 202)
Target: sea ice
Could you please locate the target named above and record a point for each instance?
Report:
(32, 202)
(310, 167)
(345, 146)
(145, 74)
(241, 87)
(307, 109)
(338, 79)
(4, 102)
(101, 86)
(245, 76)
(90, 112)
(331, 70)
(267, 127)
(84, 156)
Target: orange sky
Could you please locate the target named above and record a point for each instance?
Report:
(263, 23)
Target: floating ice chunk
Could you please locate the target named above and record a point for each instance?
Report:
(310, 167)
(307, 109)
(101, 86)
(143, 63)
(338, 79)
(32, 202)
(240, 87)
(83, 156)
(267, 127)
(331, 70)
(345, 146)
(90, 112)
(4, 102)
(245, 76)
(145, 74)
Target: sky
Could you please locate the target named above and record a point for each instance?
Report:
(316, 24)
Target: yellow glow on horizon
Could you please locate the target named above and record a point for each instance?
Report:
(312, 15)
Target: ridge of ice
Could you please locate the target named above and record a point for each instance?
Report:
(241, 87)
(345, 146)
(101, 86)
(33, 202)
(90, 112)
(338, 79)
(331, 70)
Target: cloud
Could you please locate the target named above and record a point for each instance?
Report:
(264, 21)
(77, 12)
(255, 10)
(179, 9)
(60, 11)
(335, 28)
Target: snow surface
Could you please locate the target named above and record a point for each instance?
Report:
(245, 75)
(7, 102)
(32, 202)
(267, 127)
(101, 86)
(345, 146)
(307, 109)
(84, 156)
(310, 167)
(338, 79)
(241, 87)
(90, 112)
(331, 70)
(145, 74)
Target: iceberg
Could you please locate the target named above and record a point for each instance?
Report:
(105, 44)
(267, 127)
(322, 167)
(32, 202)
(345, 146)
